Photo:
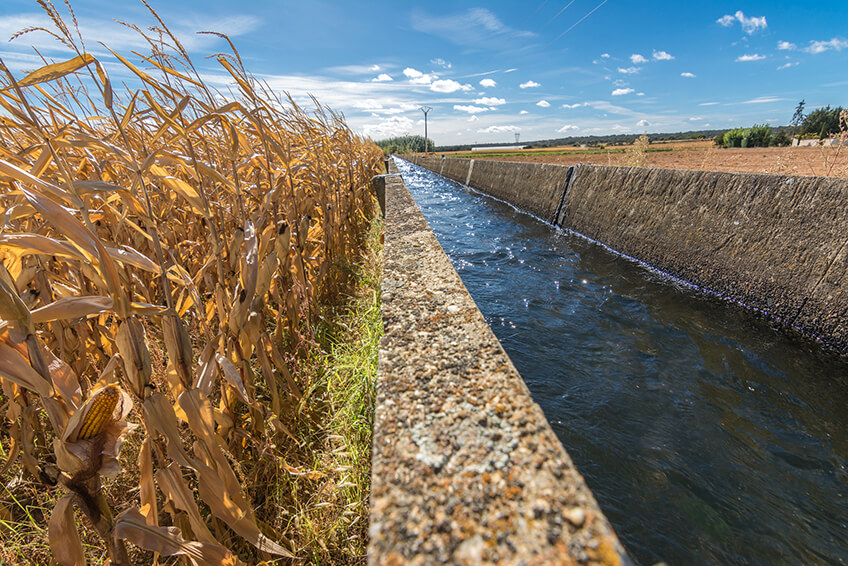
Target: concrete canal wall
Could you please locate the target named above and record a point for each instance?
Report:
(776, 243)
(465, 468)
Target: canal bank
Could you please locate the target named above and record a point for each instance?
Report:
(707, 434)
(465, 467)
(775, 243)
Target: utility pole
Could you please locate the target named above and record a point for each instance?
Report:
(425, 109)
(516, 137)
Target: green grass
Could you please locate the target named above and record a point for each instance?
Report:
(328, 504)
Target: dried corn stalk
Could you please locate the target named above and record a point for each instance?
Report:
(168, 215)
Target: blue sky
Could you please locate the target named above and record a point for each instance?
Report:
(542, 69)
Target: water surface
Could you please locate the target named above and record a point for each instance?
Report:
(707, 435)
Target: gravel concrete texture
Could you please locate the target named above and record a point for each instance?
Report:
(465, 468)
(776, 243)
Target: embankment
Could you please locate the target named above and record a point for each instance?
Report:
(776, 243)
(465, 468)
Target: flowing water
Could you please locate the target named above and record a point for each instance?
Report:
(707, 436)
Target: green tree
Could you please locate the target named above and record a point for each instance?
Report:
(821, 122)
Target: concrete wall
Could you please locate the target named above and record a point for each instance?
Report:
(775, 243)
(465, 468)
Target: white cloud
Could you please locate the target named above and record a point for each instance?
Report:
(640, 94)
(473, 118)
(374, 68)
(529, 84)
(787, 65)
(381, 78)
(394, 126)
(637, 59)
(629, 70)
(499, 129)
(511, 70)
(621, 91)
(762, 99)
(416, 77)
(688, 75)
(708, 104)
(524, 112)
(605, 55)
(696, 118)
(441, 63)
(786, 46)
(567, 128)
(476, 27)
(747, 58)
(543, 103)
(449, 85)
(643, 123)
(488, 83)
(578, 105)
(470, 109)
(490, 101)
(749, 25)
(835, 44)
(662, 56)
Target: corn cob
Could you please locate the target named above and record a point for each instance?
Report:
(100, 413)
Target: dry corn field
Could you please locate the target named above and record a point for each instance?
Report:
(169, 256)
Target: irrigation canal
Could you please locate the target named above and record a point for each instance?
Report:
(707, 436)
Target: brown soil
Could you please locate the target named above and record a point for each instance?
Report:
(702, 155)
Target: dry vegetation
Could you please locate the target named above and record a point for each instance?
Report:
(701, 155)
(174, 266)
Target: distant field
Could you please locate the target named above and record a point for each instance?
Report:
(694, 154)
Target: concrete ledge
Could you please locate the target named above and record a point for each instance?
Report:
(776, 243)
(465, 468)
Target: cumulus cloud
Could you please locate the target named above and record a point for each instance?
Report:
(638, 59)
(749, 25)
(605, 55)
(621, 91)
(747, 58)
(441, 63)
(643, 123)
(786, 46)
(629, 70)
(490, 101)
(499, 129)
(488, 83)
(449, 85)
(577, 105)
(473, 118)
(543, 103)
(416, 77)
(688, 75)
(662, 56)
(696, 118)
(834, 44)
(394, 126)
(381, 78)
(470, 109)
(524, 112)
(529, 84)
(567, 128)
